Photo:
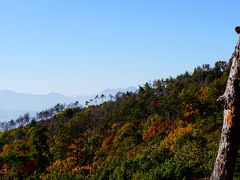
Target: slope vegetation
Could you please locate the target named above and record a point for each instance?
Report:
(168, 129)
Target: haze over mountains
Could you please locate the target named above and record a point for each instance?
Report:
(14, 104)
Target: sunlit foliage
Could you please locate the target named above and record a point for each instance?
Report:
(168, 129)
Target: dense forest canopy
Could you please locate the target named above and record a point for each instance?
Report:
(168, 129)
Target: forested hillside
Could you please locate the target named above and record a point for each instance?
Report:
(168, 129)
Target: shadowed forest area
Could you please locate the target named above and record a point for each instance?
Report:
(168, 129)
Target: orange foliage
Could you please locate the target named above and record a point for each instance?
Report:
(107, 141)
(203, 94)
(68, 164)
(169, 141)
(5, 169)
(153, 130)
(76, 170)
(5, 149)
(230, 115)
(87, 168)
(62, 165)
(132, 152)
(114, 125)
(191, 111)
(21, 147)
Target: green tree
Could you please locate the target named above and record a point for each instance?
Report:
(38, 139)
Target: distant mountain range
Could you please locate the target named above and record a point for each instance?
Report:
(13, 104)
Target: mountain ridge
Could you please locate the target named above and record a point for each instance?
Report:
(13, 104)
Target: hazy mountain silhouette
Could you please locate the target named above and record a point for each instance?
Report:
(13, 104)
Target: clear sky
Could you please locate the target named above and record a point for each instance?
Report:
(85, 46)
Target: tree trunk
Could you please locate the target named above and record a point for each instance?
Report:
(228, 147)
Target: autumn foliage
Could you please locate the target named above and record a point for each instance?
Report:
(168, 129)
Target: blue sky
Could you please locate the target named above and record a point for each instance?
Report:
(83, 47)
